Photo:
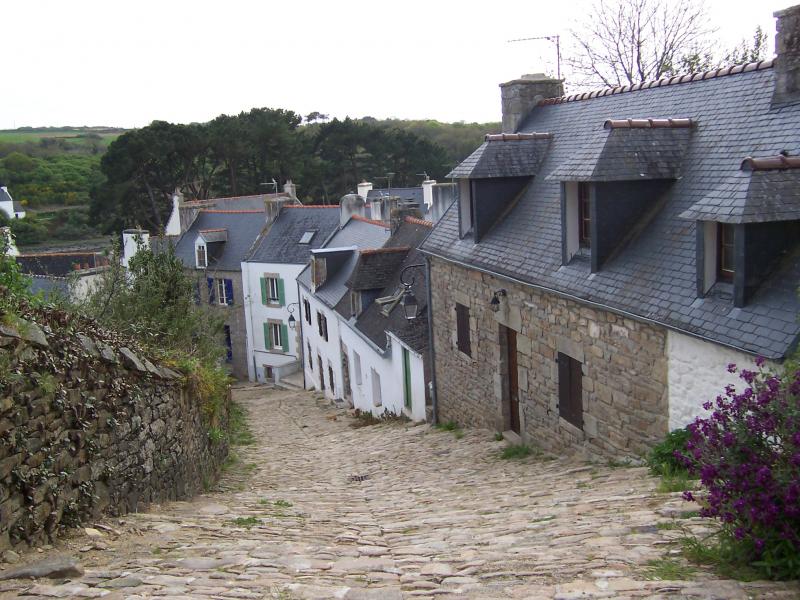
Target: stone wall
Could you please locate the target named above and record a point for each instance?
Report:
(89, 426)
(625, 404)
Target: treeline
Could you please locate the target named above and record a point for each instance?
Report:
(246, 153)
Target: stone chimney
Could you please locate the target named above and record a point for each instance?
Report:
(520, 96)
(787, 61)
(290, 188)
(273, 208)
(427, 191)
(363, 188)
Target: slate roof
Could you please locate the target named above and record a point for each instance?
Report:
(373, 323)
(358, 234)
(375, 267)
(498, 157)
(59, 264)
(252, 202)
(757, 197)
(413, 194)
(627, 154)
(281, 242)
(244, 228)
(653, 277)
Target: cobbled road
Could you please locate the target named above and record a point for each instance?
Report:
(317, 508)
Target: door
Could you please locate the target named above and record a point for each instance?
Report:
(513, 381)
(406, 378)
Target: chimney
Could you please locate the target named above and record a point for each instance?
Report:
(427, 191)
(290, 189)
(132, 241)
(520, 96)
(174, 223)
(349, 205)
(363, 188)
(443, 196)
(787, 61)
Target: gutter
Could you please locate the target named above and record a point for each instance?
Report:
(597, 305)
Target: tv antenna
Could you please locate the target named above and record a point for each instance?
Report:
(550, 38)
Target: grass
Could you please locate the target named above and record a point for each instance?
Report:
(675, 479)
(668, 569)
(667, 525)
(364, 419)
(239, 430)
(498, 437)
(283, 503)
(246, 522)
(722, 556)
(516, 451)
(543, 519)
(449, 426)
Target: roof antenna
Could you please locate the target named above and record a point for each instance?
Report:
(550, 38)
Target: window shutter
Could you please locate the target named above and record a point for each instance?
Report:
(325, 327)
(211, 291)
(267, 336)
(281, 293)
(576, 393)
(563, 385)
(263, 281)
(229, 291)
(285, 337)
(462, 329)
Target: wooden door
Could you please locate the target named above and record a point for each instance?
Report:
(513, 380)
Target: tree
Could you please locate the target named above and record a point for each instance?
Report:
(623, 42)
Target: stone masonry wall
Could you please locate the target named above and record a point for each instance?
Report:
(89, 426)
(625, 403)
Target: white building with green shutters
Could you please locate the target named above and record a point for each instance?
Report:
(269, 280)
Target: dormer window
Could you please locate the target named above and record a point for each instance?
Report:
(584, 216)
(725, 261)
(202, 259)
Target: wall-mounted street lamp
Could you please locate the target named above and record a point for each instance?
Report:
(408, 300)
(292, 320)
(494, 303)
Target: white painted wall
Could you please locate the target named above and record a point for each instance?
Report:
(132, 240)
(464, 212)
(256, 314)
(697, 373)
(389, 370)
(330, 350)
(7, 207)
(174, 224)
(709, 254)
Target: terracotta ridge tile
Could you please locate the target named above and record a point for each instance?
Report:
(770, 163)
(418, 221)
(386, 250)
(233, 212)
(371, 221)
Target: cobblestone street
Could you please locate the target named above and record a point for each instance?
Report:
(319, 509)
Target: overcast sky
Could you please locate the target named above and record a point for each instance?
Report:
(128, 62)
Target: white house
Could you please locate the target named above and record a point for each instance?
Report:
(323, 286)
(269, 278)
(12, 209)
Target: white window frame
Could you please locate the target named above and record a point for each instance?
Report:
(272, 290)
(357, 367)
(222, 298)
(275, 334)
(205, 256)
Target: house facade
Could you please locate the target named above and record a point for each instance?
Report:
(9, 206)
(269, 276)
(69, 275)
(611, 253)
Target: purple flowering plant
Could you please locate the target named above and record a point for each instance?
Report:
(747, 455)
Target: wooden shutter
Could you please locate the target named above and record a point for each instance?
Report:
(462, 329)
(267, 336)
(212, 292)
(570, 390)
(264, 296)
(281, 293)
(285, 337)
(325, 327)
(229, 291)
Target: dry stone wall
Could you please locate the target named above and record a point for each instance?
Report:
(90, 426)
(624, 366)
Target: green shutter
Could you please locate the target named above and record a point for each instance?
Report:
(267, 337)
(264, 298)
(285, 337)
(281, 293)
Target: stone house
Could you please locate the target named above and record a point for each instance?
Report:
(613, 251)
(269, 275)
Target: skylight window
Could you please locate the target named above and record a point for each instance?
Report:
(307, 237)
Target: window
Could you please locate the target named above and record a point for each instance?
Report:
(307, 307)
(322, 326)
(584, 216)
(377, 398)
(228, 344)
(321, 373)
(462, 329)
(725, 267)
(307, 237)
(202, 260)
(272, 290)
(276, 336)
(330, 379)
(220, 291)
(355, 303)
(570, 390)
(309, 357)
(357, 367)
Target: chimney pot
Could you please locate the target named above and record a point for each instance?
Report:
(520, 96)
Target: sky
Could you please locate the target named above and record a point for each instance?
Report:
(126, 63)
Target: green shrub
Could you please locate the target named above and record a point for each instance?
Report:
(662, 459)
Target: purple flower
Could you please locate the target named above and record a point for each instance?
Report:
(731, 367)
(760, 360)
(688, 496)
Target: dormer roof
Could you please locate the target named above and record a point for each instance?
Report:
(505, 155)
(210, 236)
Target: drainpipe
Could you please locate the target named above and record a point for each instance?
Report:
(432, 351)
